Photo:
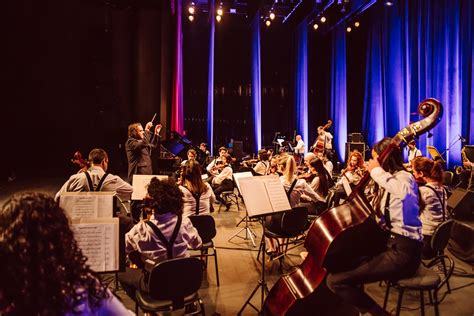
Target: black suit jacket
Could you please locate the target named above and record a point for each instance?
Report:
(139, 154)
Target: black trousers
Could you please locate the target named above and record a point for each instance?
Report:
(131, 280)
(400, 260)
(226, 185)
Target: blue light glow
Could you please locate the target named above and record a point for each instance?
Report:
(301, 81)
(210, 81)
(256, 83)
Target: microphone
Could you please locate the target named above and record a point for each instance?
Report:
(463, 140)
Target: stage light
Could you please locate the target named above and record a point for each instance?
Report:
(349, 29)
(315, 26)
(218, 18)
(272, 16)
(191, 18)
(356, 23)
(191, 10)
(388, 3)
(323, 19)
(268, 22)
(220, 11)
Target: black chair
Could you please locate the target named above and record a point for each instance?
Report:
(287, 226)
(230, 198)
(206, 227)
(173, 284)
(426, 279)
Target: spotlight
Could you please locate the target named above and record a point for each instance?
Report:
(191, 9)
(356, 23)
(218, 18)
(191, 18)
(268, 22)
(349, 29)
(388, 3)
(315, 26)
(272, 16)
(220, 11)
(323, 19)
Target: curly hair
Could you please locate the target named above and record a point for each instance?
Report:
(166, 197)
(42, 266)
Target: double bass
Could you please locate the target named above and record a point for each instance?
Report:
(337, 237)
(321, 140)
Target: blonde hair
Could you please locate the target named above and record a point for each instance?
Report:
(289, 167)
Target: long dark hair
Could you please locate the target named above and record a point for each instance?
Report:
(42, 266)
(323, 188)
(192, 178)
(394, 161)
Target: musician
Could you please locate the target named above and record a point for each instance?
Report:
(325, 137)
(223, 180)
(321, 155)
(398, 212)
(203, 147)
(197, 194)
(469, 170)
(138, 147)
(212, 167)
(320, 185)
(413, 152)
(263, 165)
(274, 166)
(433, 199)
(191, 154)
(299, 148)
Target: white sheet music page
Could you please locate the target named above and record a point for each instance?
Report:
(87, 204)
(98, 240)
(140, 183)
(255, 196)
(239, 175)
(276, 194)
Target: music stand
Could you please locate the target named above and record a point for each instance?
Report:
(435, 155)
(262, 196)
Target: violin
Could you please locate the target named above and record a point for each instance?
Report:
(337, 237)
(83, 164)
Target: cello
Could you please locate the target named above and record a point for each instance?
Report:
(338, 236)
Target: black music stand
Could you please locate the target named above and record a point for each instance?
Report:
(265, 188)
(435, 155)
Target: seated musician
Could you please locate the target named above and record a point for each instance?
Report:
(197, 194)
(397, 209)
(353, 173)
(261, 167)
(326, 162)
(223, 180)
(467, 176)
(320, 184)
(274, 166)
(434, 199)
(191, 154)
(151, 239)
(212, 168)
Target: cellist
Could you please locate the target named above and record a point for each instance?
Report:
(397, 207)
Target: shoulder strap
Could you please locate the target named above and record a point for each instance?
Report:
(89, 181)
(441, 201)
(197, 198)
(101, 182)
(288, 193)
(168, 244)
(386, 211)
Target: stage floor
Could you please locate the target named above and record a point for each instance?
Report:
(239, 270)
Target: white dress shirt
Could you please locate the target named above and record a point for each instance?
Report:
(226, 173)
(299, 149)
(205, 201)
(300, 188)
(432, 214)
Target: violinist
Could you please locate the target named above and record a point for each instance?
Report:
(326, 162)
(223, 180)
(320, 184)
(352, 174)
(191, 154)
(397, 210)
(216, 165)
(274, 166)
(263, 165)
(304, 172)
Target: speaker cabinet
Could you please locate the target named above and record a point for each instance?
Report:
(462, 203)
(360, 147)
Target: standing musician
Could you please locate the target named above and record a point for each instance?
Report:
(299, 148)
(323, 141)
(468, 172)
(138, 147)
(397, 209)
(213, 167)
(413, 152)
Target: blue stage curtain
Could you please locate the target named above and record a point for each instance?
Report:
(338, 89)
(256, 82)
(210, 79)
(301, 81)
(417, 50)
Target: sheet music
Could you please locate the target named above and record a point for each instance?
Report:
(276, 194)
(140, 183)
(99, 241)
(88, 204)
(239, 175)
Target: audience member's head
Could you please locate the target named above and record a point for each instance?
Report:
(165, 197)
(42, 266)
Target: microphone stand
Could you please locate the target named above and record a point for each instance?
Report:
(459, 138)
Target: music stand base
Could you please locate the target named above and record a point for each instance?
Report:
(263, 285)
(248, 233)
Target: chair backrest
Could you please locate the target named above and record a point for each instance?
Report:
(295, 221)
(441, 236)
(448, 177)
(175, 279)
(205, 225)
